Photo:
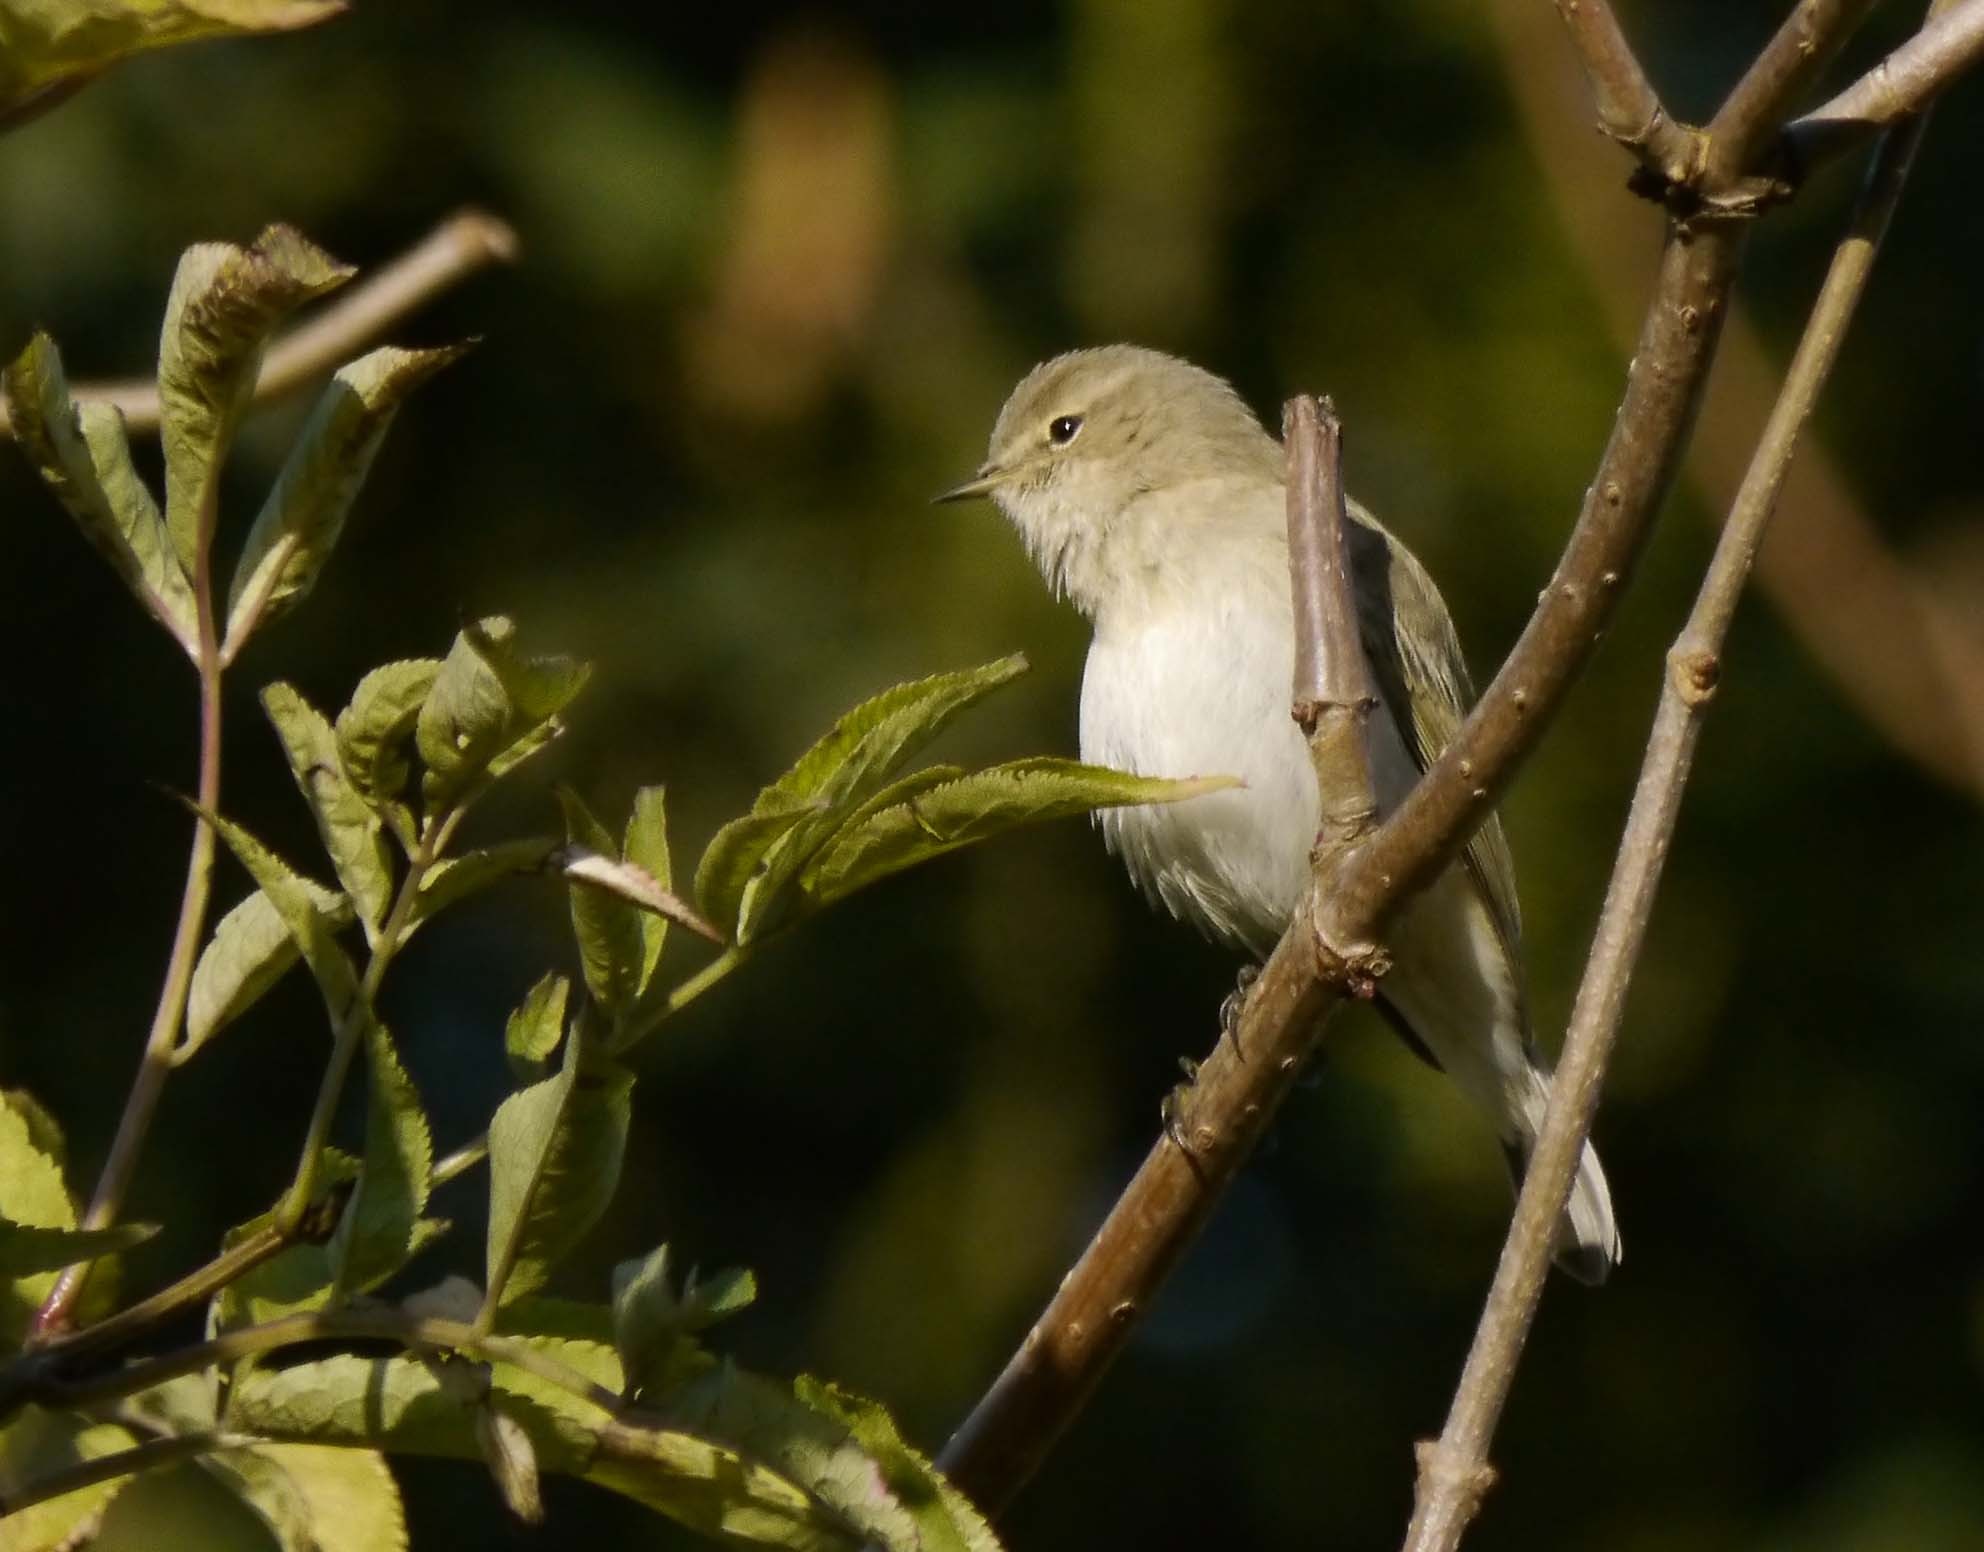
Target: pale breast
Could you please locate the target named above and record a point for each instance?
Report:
(1202, 689)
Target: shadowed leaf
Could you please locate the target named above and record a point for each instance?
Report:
(252, 948)
(454, 879)
(85, 458)
(376, 1233)
(374, 734)
(608, 929)
(554, 1158)
(25, 1249)
(532, 1032)
(304, 514)
(487, 699)
(52, 43)
(225, 301)
(348, 827)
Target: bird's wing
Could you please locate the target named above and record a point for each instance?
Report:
(1431, 660)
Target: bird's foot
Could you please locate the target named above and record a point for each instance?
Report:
(1172, 1109)
(1235, 1002)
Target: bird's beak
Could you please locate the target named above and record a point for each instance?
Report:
(982, 483)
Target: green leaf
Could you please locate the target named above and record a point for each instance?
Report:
(861, 750)
(53, 44)
(842, 1452)
(654, 1326)
(304, 514)
(27, 1249)
(875, 737)
(376, 1234)
(944, 1517)
(487, 698)
(534, 1030)
(34, 1443)
(736, 854)
(317, 1498)
(611, 944)
(32, 1195)
(554, 1159)
(454, 879)
(313, 928)
(976, 807)
(85, 458)
(348, 827)
(646, 847)
(225, 302)
(402, 1405)
(250, 951)
(293, 1280)
(374, 733)
(512, 1461)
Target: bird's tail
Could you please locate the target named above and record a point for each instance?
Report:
(1587, 1236)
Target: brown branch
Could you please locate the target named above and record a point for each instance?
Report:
(1903, 83)
(1754, 110)
(1234, 1098)
(1909, 662)
(466, 242)
(1334, 690)
(1629, 109)
(1454, 1471)
(1663, 390)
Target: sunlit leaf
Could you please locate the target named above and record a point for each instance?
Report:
(944, 1517)
(33, 1195)
(873, 739)
(317, 1498)
(534, 1030)
(348, 827)
(376, 1233)
(861, 751)
(977, 807)
(304, 514)
(85, 458)
(34, 1443)
(225, 301)
(554, 1158)
(250, 950)
(891, 1497)
(49, 44)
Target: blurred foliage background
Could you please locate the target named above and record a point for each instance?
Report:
(780, 266)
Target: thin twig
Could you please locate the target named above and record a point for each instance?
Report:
(1663, 389)
(1335, 691)
(1629, 109)
(1909, 662)
(466, 242)
(149, 1456)
(1903, 83)
(155, 1064)
(1454, 1472)
(315, 1327)
(1810, 36)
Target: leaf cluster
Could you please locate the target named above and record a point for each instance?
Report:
(622, 1392)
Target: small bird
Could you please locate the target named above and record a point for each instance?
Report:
(1151, 497)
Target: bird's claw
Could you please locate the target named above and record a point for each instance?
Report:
(1234, 1003)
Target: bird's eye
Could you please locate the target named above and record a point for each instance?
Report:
(1063, 428)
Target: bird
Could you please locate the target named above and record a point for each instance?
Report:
(1151, 497)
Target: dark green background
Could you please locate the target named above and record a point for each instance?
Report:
(780, 267)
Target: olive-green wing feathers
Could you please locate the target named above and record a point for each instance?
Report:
(1428, 658)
